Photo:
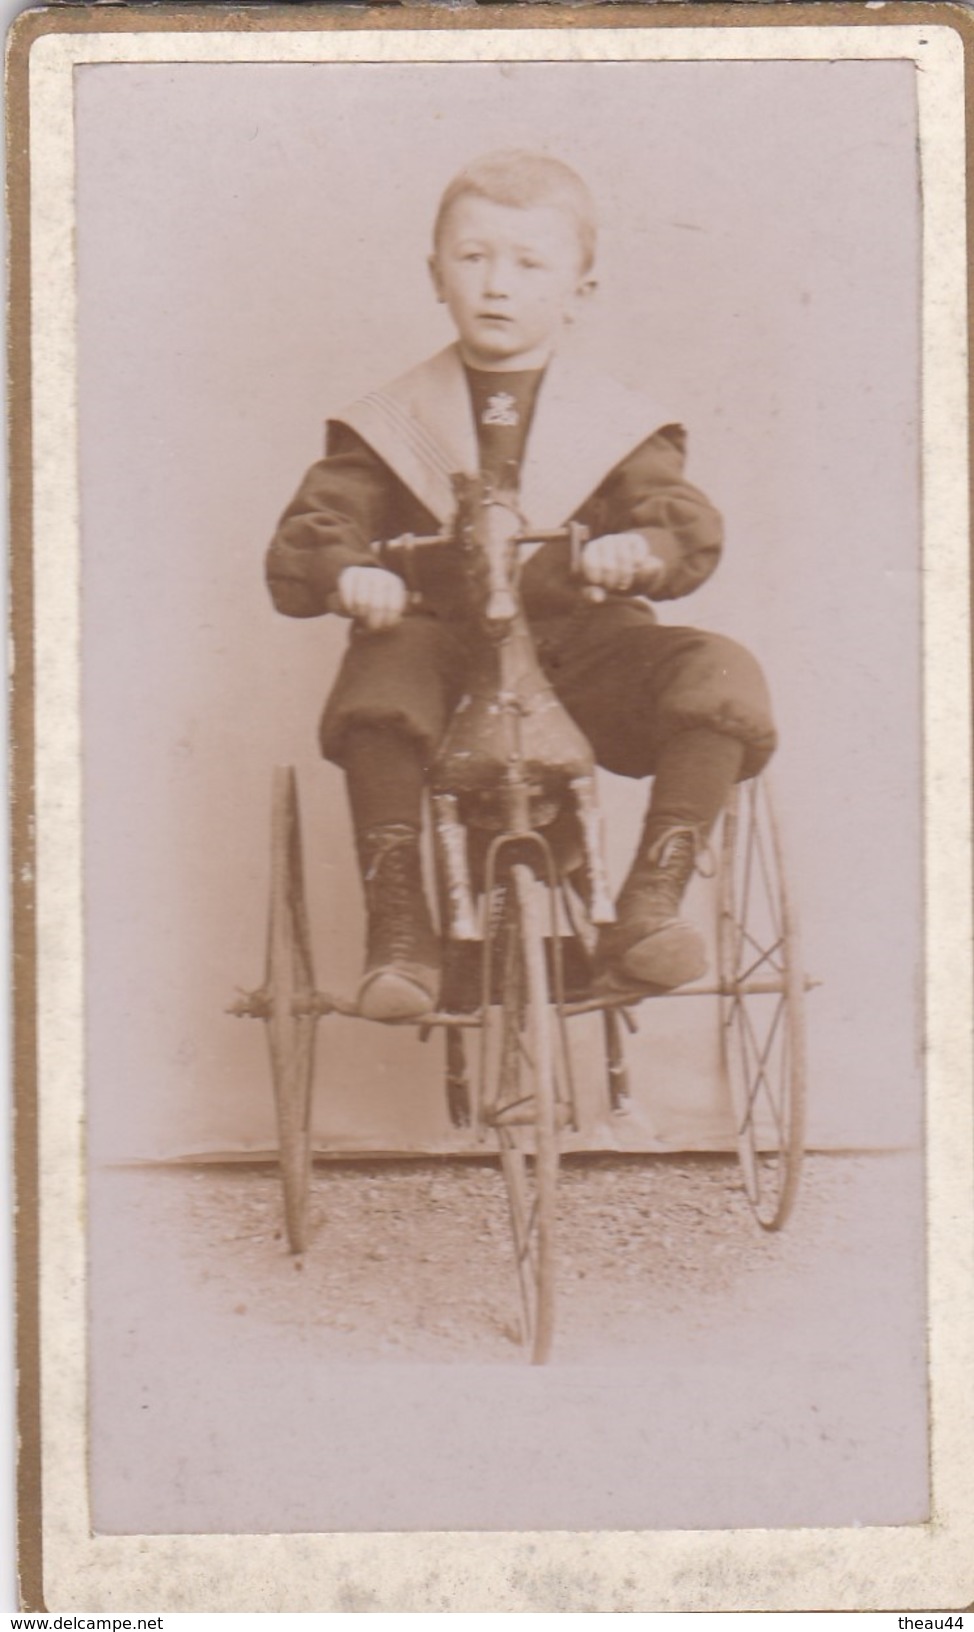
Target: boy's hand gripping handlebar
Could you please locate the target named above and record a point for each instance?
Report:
(402, 551)
(619, 564)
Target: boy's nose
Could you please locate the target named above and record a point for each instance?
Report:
(498, 280)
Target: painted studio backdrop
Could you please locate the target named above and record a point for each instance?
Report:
(252, 244)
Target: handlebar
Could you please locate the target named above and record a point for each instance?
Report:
(573, 533)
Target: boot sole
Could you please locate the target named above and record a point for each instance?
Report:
(671, 956)
(391, 996)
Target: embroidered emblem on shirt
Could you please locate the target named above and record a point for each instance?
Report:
(501, 409)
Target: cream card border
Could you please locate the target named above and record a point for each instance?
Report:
(921, 1566)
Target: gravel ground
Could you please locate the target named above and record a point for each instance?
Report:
(704, 1373)
(414, 1259)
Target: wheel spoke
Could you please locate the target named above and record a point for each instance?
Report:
(289, 984)
(503, 1114)
(525, 1053)
(762, 1045)
(764, 956)
(747, 1050)
(523, 1100)
(528, 1246)
(745, 885)
(515, 1192)
(523, 1231)
(769, 889)
(762, 1056)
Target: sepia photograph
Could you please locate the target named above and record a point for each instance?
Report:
(498, 518)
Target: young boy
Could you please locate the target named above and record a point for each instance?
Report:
(513, 253)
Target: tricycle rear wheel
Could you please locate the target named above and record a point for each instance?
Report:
(290, 1017)
(762, 1003)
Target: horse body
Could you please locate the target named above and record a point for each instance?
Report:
(512, 757)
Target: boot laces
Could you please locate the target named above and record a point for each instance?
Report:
(394, 886)
(680, 850)
(387, 841)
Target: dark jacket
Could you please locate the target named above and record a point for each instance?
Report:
(351, 499)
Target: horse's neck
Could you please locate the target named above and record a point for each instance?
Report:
(510, 667)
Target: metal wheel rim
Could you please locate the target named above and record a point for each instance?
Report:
(523, 1084)
(762, 1034)
(289, 986)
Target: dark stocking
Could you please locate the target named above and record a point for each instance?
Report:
(695, 772)
(384, 776)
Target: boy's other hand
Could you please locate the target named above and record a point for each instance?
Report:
(621, 561)
(372, 596)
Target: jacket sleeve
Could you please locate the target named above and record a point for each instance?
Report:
(337, 512)
(647, 493)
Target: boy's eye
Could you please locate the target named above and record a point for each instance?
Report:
(531, 265)
(472, 255)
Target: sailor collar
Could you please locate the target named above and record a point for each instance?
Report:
(584, 424)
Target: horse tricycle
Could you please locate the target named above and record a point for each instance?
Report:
(522, 887)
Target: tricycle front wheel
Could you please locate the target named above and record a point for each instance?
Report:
(519, 1101)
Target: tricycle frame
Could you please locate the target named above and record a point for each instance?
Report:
(754, 974)
(511, 760)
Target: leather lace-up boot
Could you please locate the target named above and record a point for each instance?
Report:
(402, 962)
(650, 944)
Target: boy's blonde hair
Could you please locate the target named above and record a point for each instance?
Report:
(524, 180)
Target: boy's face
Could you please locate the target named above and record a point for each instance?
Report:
(512, 278)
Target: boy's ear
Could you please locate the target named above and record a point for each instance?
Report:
(434, 272)
(584, 290)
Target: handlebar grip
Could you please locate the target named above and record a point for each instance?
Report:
(641, 584)
(578, 537)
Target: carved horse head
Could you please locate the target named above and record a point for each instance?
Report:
(488, 525)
